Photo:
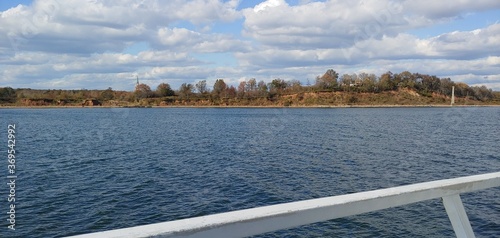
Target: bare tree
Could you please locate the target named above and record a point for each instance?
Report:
(201, 86)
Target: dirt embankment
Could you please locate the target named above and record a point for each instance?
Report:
(402, 97)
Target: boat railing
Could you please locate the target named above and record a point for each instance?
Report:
(259, 220)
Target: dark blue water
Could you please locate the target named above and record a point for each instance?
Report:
(89, 170)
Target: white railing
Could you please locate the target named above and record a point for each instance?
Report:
(260, 220)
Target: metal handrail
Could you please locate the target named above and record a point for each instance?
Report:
(264, 219)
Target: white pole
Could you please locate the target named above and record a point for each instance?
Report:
(452, 95)
(459, 220)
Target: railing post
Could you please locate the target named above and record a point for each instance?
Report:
(458, 217)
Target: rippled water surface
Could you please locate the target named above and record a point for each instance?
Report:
(88, 170)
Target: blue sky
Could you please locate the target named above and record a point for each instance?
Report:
(5, 5)
(72, 44)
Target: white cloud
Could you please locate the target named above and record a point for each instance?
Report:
(336, 24)
(178, 36)
(470, 44)
(456, 45)
(184, 40)
(268, 4)
(329, 24)
(78, 27)
(205, 11)
(448, 8)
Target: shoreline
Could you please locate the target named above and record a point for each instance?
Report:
(270, 106)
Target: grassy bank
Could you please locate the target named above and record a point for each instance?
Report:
(398, 98)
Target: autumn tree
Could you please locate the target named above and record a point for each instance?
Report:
(429, 83)
(242, 89)
(142, 91)
(328, 81)
(346, 81)
(220, 88)
(164, 90)
(278, 85)
(386, 82)
(251, 88)
(294, 86)
(406, 79)
(445, 86)
(482, 93)
(186, 91)
(368, 83)
(7, 94)
(262, 88)
(231, 92)
(251, 85)
(463, 90)
(106, 95)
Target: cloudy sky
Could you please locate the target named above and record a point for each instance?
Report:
(94, 44)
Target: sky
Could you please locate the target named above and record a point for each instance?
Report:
(96, 44)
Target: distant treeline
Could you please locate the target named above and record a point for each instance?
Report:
(330, 81)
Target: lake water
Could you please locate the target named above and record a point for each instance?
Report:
(88, 170)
